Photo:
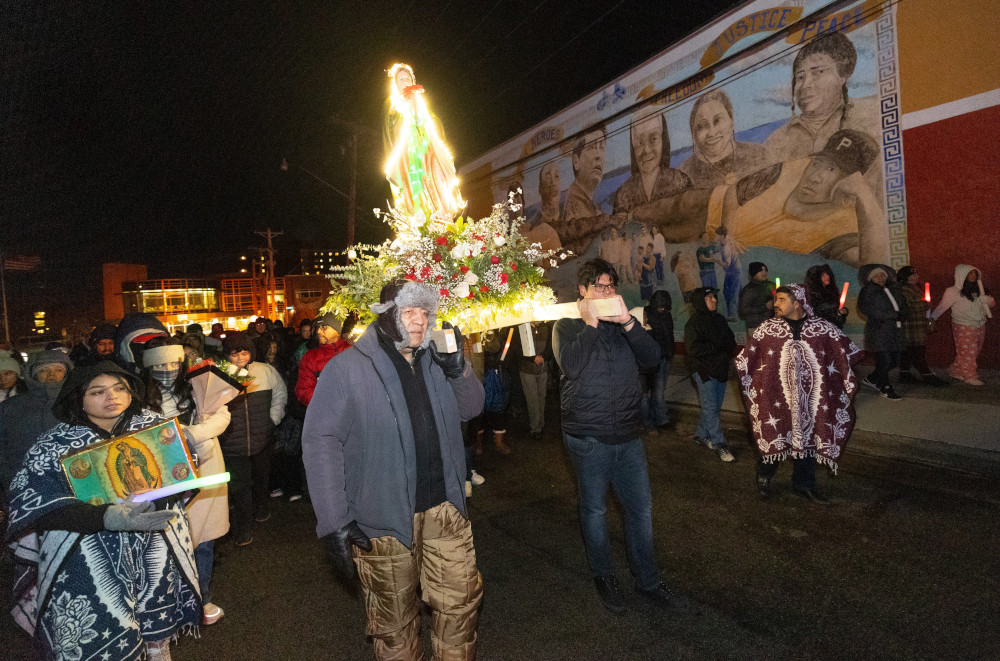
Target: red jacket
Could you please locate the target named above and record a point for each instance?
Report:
(312, 364)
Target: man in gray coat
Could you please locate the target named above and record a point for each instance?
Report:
(25, 417)
(382, 446)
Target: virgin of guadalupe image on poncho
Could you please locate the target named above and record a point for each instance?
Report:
(419, 166)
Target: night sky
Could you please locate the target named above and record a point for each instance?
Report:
(153, 132)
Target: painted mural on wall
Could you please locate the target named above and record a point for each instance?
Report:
(773, 137)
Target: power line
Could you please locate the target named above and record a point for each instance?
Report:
(512, 31)
(557, 51)
(473, 30)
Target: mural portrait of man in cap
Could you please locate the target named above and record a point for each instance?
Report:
(820, 204)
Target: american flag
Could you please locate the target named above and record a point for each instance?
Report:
(21, 262)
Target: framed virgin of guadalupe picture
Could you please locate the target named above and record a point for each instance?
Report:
(139, 462)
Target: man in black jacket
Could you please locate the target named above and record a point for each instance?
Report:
(710, 344)
(756, 298)
(600, 355)
(661, 327)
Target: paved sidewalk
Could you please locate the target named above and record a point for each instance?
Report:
(956, 424)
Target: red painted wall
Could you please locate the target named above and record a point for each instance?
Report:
(953, 213)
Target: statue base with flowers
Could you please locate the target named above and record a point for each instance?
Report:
(486, 271)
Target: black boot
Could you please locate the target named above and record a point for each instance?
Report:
(610, 594)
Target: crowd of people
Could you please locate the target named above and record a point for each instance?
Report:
(381, 435)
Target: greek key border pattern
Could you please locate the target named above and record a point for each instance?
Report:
(892, 136)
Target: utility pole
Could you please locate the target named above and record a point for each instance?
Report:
(271, 302)
(3, 294)
(355, 130)
(352, 148)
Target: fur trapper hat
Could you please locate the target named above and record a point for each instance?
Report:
(398, 295)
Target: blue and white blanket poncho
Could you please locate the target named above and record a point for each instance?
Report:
(95, 596)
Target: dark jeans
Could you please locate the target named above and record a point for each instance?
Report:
(710, 394)
(249, 491)
(914, 356)
(623, 467)
(884, 362)
(287, 472)
(204, 559)
(803, 472)
(653, 405)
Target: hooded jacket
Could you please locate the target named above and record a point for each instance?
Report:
(708, 339)
(963, 311)
(883, 322)
(358, 445)
(134, 330)
(825, 299)
(600, 390)
(67, 407)
(661, 324)
(22, 420)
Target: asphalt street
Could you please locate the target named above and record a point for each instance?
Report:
(902, 566)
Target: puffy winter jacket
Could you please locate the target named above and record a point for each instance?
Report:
(255, 412)
(600, 377)
(312, 364)
(883, 322)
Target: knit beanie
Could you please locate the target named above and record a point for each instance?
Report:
(102, 332)
(238, 341)
(47, 357)
(756, 267)
(168, 353)
(8, 364)
(331, 320)
(876, 271)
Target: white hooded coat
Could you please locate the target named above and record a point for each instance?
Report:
(963, 311)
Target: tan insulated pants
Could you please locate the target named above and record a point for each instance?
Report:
(443, 564)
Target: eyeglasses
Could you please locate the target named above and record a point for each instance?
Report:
(600, 289)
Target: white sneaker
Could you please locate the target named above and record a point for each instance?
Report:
(212, 614)
(477, 479)
(468, 489)
(724, 454)
(277, 493)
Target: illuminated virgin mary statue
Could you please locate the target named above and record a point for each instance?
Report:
(419, 167)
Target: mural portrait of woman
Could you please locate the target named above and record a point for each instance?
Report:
(718, 158)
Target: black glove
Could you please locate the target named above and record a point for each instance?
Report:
(452, 364)
(338, 547)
